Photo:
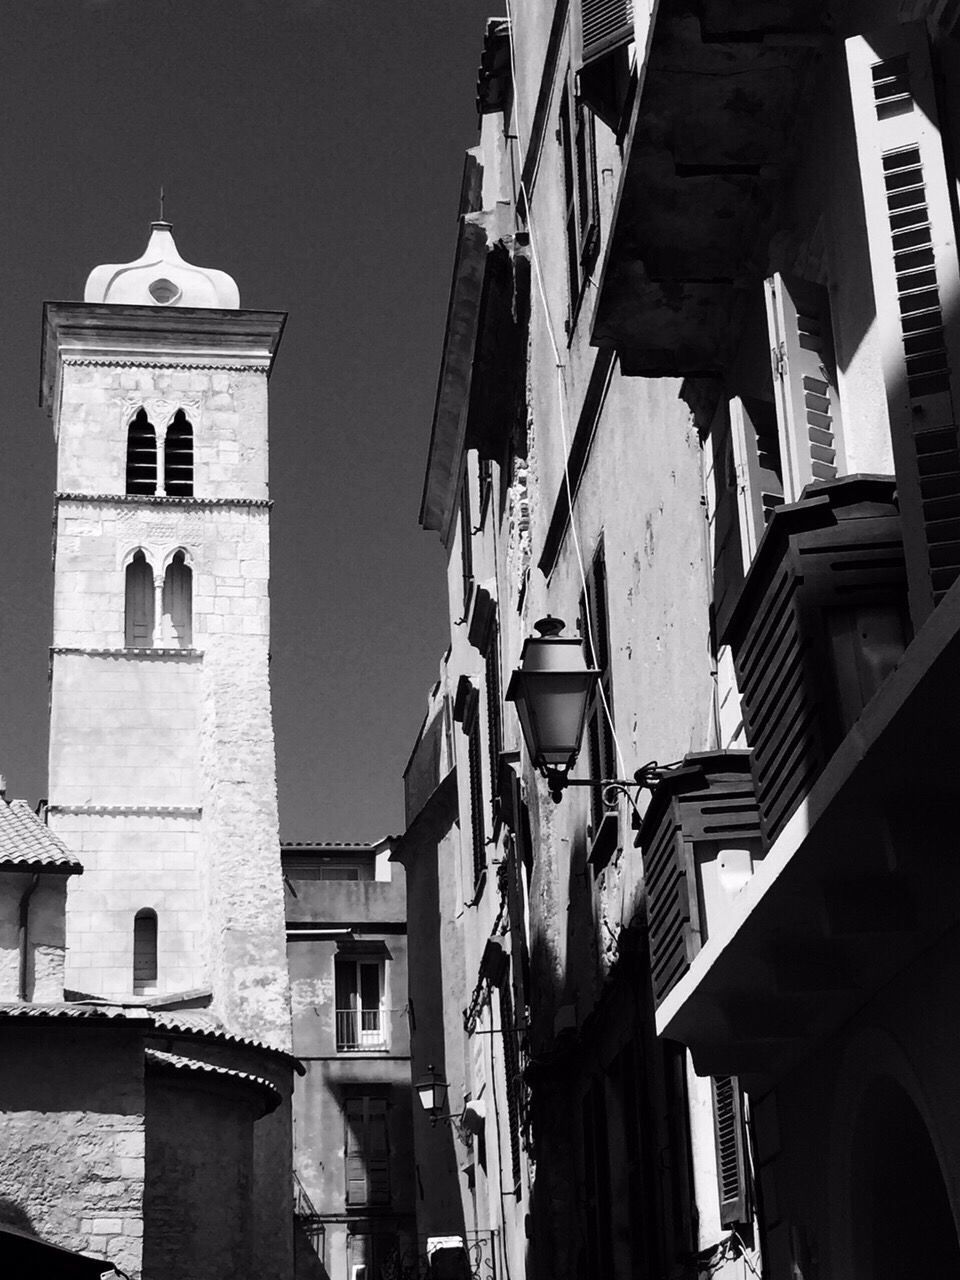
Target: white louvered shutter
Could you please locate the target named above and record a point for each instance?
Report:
(605, 24)
(805, 382)
(913, 257)
(756, 456)
(731, 1151)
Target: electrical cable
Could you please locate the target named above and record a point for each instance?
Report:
(561, 386)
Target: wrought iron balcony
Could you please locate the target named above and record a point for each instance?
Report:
(362, 1030)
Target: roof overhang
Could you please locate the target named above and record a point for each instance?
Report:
(707, 155)
(192, 335)
(862, 880)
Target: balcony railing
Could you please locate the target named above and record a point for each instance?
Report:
(362, 1030)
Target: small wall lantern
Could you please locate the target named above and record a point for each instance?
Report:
(551, 689)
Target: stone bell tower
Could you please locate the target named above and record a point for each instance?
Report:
(162, 770)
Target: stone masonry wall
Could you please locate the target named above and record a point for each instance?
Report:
(228, 410)
(72, 1136)
(134, 861)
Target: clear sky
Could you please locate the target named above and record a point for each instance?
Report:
(313, 149)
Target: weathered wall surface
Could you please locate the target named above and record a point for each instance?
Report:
(227, 407)
(199, 1181)
(45, 935)
(72, 1137)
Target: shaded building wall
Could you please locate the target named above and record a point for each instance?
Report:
(198, 1196)
(352, 920)
(73, 1138)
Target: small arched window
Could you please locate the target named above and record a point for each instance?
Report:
(178, 603)
(141, 455)
(178, 458)
(139, 603)
(144, 952)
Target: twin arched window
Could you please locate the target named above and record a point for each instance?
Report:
(176, 603)
(177, 456)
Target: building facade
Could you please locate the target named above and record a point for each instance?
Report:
(154, 1127)
(347, 951)
(697, 400)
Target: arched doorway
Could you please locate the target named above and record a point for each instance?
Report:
(903, 1224)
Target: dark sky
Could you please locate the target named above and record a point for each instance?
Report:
(313, 149)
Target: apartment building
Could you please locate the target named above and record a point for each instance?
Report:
(347, 954)
(696, 401)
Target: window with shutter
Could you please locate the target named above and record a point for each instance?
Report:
(511, 1069)
(177, 601)
(805, 382)
(731, 1150)
(913, 257)
(577, 138)
(759, 474)
(178, 457)
(605, 25)
(725, 519)
(595, 628)
(138, 603)
(141, 455)
(367, 1151)
(477, 817)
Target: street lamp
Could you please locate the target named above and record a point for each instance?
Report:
(432, 1091)
(551, 689)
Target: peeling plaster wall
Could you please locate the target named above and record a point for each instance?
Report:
(45, 935)
(72, 1136)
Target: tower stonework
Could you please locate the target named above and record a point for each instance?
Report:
(162, 767)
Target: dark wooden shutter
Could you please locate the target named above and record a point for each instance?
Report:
(367, 1152)
(731, 1150)
(477, 817)
(805, 381)
(727, 552)
(606, 25)
(913, 255)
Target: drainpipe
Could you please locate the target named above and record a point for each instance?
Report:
(24, 921)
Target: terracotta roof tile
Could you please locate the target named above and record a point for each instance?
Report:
(27, 842)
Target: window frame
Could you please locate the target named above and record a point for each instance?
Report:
(576, 136)
(361, 1010)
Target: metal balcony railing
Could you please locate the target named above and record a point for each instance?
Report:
(362, 1030)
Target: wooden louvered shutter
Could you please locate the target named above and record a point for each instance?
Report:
(756, 457)
(727, 558)
(606, 24)
(367, 1152)
(731, 1150)
(913, 257)
(804, 380)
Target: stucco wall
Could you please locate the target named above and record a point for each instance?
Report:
(72, 1137)
(198, 1197)
(45, 935)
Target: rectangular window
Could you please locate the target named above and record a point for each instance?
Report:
(367, 1151)
(477, 823)
(466, 539)
(577, 137)
(805, 382)
(360, 1015)
(595, 629)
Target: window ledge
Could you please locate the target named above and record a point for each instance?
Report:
(187, 655)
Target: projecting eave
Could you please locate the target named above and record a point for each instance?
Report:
(448, 434)
(101, 332)
(697, 199)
